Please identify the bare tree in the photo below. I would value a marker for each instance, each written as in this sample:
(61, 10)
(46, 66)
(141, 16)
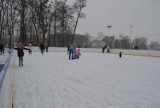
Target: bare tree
(43, 17)
(154, 45)
(117, 43)
(101, 35)
(10, 20)
(125, 42)
(55, 20)
(64, 20)
(140, 43)
(34, 19)
(4, 6)
(40, 17)
(78, 6)
(21, 10)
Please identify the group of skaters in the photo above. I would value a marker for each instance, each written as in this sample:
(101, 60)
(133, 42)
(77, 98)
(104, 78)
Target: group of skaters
(108, 50)
(20, 53)
(42, 48)
(103, 49)
(73, 52)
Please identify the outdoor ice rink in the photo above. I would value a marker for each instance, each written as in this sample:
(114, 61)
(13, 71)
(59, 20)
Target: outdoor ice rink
(95, 80)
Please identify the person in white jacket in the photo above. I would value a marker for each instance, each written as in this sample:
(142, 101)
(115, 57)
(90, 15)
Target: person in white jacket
(30, 48)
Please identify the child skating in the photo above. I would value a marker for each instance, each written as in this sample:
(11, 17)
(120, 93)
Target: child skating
(20, 52)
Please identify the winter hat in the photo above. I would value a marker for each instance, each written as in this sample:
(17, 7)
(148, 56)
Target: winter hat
(20, 45)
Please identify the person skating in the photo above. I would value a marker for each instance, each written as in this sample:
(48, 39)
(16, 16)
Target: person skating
(1, 49)
(42, 47)
(120, 54)
(108, 49)
(20, 52)
(103, 49)
(72, 50)
(46, 48)
(77, 54)
(30, 49)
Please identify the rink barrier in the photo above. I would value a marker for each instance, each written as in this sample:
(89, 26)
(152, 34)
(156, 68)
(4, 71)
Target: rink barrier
(147, 53)
(4, 70)
(6, 84)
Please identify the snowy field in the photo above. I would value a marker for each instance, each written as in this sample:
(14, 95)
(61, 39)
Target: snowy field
(95, 80)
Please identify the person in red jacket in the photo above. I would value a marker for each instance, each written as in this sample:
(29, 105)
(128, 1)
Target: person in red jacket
(20, 52)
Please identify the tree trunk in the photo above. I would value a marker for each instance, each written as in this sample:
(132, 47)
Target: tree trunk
(55, 19)
(76, 25)
(23, 36)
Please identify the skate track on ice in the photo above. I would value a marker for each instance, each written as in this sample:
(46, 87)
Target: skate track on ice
(96, 80)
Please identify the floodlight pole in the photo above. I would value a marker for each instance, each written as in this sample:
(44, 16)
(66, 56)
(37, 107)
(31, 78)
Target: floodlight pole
(109, 26)
(130, 35)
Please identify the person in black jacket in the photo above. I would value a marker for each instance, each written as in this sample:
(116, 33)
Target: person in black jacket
(1, 49)
(20, 52)
(120, 54)
(42, 48)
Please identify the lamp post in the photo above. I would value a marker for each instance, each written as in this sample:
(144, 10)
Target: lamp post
(109, 26)
(130, 35)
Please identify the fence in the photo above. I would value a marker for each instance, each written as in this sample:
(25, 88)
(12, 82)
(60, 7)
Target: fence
(150, 53)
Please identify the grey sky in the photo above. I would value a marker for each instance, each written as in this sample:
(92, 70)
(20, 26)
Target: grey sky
(143, 15)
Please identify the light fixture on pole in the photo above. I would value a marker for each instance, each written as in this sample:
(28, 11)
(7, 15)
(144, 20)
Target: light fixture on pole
(109, 26)
(130, 35)
(131, 30)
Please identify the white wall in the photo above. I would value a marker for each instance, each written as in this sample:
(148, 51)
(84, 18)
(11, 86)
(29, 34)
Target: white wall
(99, 50)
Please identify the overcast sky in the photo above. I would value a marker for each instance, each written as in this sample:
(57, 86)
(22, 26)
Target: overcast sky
(143, 15)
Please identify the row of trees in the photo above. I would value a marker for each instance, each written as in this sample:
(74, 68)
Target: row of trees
(125, 42)
(115, 42)
(38, 19)
(55, 22)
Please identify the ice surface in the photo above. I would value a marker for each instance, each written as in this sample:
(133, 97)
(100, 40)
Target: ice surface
(95, 80)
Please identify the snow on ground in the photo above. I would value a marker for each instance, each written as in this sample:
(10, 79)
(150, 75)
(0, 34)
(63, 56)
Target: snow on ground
(95, 80)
